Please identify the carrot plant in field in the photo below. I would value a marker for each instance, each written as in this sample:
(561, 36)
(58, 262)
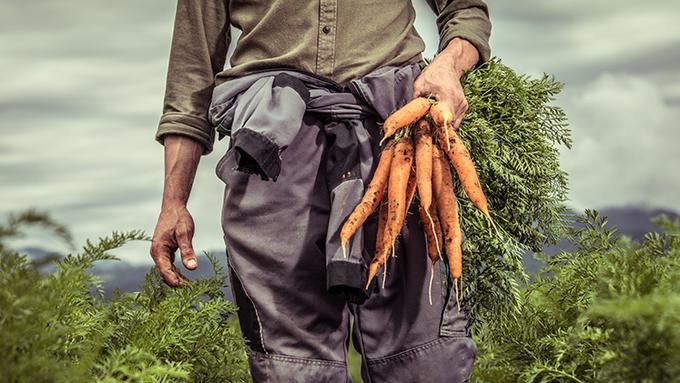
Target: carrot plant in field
(53, 328)
(607, 312)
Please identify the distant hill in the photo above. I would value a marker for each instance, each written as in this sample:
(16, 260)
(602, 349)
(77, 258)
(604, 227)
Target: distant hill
(631, 221)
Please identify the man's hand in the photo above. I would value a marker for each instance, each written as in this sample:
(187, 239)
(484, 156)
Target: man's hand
(175, 227)
(441, 78)
(174, 230)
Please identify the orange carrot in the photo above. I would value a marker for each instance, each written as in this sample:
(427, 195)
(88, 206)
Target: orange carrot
(410, 190)
(442, 117)
(433, 250)
(447, 207)
(382, 224)
(423, 140)
(405, 116)
(400, 171)
(369, 202)
(462, 161)
(437, 227)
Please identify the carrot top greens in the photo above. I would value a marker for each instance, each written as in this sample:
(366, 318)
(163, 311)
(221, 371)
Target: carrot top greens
(513, 133)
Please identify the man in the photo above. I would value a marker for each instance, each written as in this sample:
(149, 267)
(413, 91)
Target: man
(309, 84)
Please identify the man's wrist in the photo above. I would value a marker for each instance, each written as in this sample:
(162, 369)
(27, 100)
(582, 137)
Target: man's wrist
(173, 204)
(460, 55)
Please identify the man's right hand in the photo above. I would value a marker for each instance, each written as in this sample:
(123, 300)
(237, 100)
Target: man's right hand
(174, 230)
(175, 227)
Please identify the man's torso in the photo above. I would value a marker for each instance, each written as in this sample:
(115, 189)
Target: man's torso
(340, 40)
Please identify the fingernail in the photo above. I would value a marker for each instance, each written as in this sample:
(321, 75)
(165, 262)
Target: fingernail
(191, 263)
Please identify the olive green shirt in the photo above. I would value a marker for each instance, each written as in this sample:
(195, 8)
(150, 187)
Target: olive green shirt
(340, 40)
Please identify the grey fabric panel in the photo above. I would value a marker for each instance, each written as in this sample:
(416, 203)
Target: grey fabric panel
(387, 89)
(338, 106)
(343, 202)
(367, 140)
(225, 97)
(273, 368)
(442, 360)
(275, 112)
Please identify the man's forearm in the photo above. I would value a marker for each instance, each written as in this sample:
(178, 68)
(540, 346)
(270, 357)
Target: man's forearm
(182, 155)
(461, 55)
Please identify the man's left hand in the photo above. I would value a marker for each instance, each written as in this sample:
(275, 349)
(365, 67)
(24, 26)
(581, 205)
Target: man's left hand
(441, 78)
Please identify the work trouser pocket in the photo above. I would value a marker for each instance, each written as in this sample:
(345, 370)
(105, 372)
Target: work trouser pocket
(454, 321)
(223, 169)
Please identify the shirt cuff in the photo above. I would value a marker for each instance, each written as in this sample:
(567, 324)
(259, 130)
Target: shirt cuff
(186, 125)
(475, 33)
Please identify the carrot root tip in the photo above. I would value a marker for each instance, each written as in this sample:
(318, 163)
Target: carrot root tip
(434, 233)
(372, 271)
(446, 130)
(455, 285)
(430, 287)
(493, 224)
(384, 275)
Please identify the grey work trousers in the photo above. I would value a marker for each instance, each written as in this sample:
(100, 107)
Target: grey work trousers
(297, 331)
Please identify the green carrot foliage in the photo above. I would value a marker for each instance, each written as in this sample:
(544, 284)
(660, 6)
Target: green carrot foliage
(513, 133)
(55, 326)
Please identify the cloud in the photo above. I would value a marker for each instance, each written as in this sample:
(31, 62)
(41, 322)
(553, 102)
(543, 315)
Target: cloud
(579, 39)
(625, 143)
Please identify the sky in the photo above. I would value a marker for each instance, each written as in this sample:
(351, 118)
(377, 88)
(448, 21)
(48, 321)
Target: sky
(82, 81)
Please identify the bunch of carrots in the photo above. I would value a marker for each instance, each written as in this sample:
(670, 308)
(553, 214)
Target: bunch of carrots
(418, 158)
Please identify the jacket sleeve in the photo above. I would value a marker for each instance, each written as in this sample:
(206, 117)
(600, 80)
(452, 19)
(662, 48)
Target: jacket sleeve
(199, 46)
(466, 19)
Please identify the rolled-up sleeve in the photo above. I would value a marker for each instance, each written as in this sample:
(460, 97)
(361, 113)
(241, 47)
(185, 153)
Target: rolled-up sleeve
(199, 46)
(466, 19)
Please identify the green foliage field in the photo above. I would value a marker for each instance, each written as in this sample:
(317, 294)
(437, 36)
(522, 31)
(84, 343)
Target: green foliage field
(607, 312)
(55, 327)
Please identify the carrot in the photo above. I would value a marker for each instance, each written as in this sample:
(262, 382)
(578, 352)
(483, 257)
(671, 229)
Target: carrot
(437, 227)
(433, 250)
(407, 115)
(400, 171)
(423, 139)
(442, 117)
(382, 223)
(447, 207)
(369, 202)
(462, 161)
(410, 190)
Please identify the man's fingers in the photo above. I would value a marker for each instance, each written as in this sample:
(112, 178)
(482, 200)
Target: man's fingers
(460, 115)
(459, 120)
(161, 256)
(186, 249)
(417, 92)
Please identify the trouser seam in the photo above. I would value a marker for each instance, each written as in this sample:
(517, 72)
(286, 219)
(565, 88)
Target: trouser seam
(299, 360)
(257, 315)
(411, 351)
(364, 358)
